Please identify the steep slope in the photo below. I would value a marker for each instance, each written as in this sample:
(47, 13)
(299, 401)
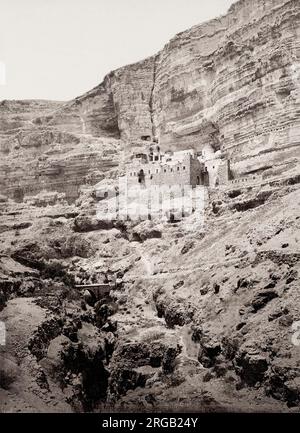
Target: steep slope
(206, 318)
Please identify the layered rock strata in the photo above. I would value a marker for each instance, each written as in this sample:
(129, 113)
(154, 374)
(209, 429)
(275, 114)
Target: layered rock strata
(232, 82)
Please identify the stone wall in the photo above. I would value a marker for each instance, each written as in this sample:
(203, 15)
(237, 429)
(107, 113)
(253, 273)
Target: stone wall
(246, 181)
(187, 172)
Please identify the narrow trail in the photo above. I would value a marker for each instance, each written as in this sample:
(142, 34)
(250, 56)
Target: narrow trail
(148, 263)
(190, 349)
(150, 268)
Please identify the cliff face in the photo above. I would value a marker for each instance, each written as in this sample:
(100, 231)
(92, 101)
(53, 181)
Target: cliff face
(36, 155)
(17, 115)
(51, 160)
(232, 82)
(93, 113)
(118, 107)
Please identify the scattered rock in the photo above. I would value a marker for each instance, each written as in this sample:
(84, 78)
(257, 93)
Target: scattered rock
(187, 247)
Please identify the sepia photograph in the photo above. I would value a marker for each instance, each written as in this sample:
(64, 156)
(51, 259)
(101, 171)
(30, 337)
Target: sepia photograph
(149, 209)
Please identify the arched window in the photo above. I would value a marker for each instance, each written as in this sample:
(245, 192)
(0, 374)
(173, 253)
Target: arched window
(141, 177)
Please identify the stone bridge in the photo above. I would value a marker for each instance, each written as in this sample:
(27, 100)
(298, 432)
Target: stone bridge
(99, 290)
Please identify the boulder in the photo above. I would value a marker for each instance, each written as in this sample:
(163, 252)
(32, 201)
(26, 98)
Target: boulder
(57, 353)
(145, 230)
(251, 365)
(87, 223)
(92, 343)
(9, 371)
(208, 352)
(292, 391)
(262, 298)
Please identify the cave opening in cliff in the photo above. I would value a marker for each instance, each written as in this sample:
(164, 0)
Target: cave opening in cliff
(146, 138)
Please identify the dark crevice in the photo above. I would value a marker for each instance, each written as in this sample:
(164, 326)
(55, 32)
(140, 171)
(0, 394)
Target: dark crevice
(151, 104)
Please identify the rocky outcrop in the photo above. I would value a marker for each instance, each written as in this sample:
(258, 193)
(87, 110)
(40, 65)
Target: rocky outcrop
(134, 363)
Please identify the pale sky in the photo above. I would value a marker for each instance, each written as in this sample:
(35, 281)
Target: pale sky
(59, 49)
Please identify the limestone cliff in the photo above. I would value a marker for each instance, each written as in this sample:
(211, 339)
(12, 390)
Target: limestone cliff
(232, 82)
(37, 155)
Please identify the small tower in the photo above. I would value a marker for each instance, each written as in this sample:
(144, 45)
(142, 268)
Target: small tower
(154, 153)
